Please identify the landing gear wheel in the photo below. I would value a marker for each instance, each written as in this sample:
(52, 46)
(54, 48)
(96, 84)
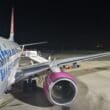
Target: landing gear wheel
(34, 86)
(29, 85)
(25, 86)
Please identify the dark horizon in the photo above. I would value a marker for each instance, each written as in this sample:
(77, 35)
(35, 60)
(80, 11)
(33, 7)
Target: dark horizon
(59, 23)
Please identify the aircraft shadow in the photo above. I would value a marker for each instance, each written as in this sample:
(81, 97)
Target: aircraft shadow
(33, 97)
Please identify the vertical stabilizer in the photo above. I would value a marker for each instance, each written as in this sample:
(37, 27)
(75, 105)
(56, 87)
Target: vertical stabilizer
(11, 38)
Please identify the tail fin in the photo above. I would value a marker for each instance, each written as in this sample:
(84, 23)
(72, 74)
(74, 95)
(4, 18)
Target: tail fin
(11, 38)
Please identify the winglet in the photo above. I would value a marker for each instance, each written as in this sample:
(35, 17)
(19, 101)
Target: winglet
(11, 38)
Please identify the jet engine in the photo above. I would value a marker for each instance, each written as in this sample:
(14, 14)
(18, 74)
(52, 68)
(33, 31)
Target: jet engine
(60, 88)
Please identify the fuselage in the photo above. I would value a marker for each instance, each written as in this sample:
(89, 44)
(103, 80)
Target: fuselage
(9, 61)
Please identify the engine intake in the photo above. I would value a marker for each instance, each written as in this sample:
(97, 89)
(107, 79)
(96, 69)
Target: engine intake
(60, 88)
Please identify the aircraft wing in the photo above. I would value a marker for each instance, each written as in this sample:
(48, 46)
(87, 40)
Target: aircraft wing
(31, 70)
(36, 69)
(61, 62)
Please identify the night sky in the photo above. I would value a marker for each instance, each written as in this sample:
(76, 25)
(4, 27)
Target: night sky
(64, 24)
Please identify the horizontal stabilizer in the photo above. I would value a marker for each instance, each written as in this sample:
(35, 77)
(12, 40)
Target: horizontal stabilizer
(30, 44)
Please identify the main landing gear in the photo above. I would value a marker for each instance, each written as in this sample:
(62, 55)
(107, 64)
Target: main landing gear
(29, 84)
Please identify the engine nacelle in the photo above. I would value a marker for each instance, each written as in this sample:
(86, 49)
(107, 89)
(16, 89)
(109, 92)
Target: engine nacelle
(60, 88)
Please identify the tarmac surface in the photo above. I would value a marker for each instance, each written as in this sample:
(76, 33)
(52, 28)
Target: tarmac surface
(93, 81)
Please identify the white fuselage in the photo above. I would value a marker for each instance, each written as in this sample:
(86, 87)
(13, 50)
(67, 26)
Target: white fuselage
(9, 61)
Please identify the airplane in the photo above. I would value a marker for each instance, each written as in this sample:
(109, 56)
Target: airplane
(59, 87)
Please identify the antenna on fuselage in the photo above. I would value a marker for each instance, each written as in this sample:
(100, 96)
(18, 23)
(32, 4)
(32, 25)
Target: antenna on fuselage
(11, 38)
